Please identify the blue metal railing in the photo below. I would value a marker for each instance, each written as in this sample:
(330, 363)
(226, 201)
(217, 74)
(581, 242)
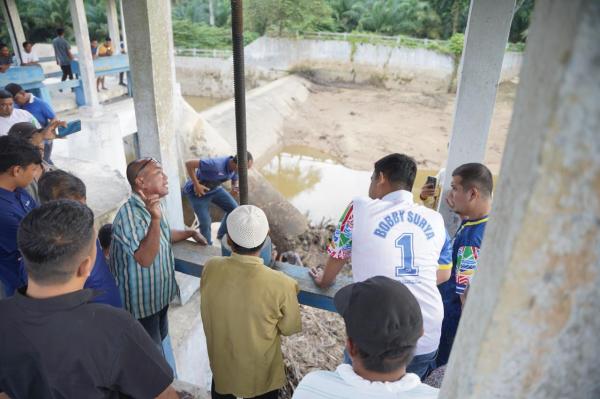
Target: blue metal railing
(190, 259)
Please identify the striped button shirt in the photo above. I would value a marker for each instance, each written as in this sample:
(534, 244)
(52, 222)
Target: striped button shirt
(144, 290)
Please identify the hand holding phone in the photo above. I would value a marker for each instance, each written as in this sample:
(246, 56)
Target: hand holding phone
(72, 127)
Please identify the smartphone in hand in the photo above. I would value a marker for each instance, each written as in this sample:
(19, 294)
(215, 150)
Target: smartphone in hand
(431, 181)
(72, 127)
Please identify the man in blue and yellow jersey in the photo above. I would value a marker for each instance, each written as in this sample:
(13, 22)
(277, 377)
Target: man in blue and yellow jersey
(471, 198)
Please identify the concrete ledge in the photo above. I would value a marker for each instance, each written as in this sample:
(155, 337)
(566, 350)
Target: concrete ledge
(190, 259)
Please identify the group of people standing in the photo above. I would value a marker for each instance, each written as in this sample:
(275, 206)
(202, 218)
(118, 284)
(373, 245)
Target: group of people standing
(61, 339)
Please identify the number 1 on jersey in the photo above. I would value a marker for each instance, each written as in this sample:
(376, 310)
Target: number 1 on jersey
(405, 243)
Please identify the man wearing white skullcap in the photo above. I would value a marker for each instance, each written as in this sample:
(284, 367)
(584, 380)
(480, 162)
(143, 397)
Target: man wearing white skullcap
(245, 308)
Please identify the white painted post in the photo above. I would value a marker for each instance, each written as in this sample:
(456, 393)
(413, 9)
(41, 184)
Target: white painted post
(112, 19)
(479, 73)
(531, 321)
(84, 52)
(14, 27)
(123, 32)
(153, 77)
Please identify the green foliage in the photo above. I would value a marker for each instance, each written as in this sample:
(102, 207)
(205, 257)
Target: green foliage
(288, 15)
(198, 11)
(187, 34)
(409, 17)
(456, 44)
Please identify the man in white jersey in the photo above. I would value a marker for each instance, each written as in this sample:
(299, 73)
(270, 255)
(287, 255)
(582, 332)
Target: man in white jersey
(389, 235)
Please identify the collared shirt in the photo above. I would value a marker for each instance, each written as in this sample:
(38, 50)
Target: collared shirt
(61, 50)
(66, 347)
(40, 110)
(345, 383)
(245, 307)
(212, 172)
(145, 291)
(103, 282)
(465, 258)
(18, 115)
(13, 208)
(396, 238)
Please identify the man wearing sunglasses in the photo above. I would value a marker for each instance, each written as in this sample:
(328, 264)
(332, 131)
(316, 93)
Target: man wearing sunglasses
(141, 256)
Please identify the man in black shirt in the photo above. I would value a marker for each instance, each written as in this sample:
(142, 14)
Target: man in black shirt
(54, 343)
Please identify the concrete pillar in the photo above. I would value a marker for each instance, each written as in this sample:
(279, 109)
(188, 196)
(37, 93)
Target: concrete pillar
(478, 76)
(123, 32)
(531, 321)
(112, 19)
(153, 73)
(84, 52)
(14, 26)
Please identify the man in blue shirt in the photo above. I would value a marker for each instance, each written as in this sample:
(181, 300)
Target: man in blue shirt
(205, 187)
(58, 184)
(41, 110)
(20, 162)
(471, 198)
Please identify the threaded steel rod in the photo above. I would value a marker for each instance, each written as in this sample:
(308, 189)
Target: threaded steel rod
(237, 34)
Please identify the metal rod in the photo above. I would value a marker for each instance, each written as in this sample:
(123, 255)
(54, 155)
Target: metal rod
(237, 33)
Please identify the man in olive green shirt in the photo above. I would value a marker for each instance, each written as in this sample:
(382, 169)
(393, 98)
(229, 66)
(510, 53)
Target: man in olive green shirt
(245, 307)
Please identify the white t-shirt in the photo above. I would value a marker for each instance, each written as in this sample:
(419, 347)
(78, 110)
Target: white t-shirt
(344, 383)
(29, 57)
(405, 241)
(18, 115)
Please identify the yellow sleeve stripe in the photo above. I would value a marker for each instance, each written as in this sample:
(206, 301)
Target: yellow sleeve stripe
(447, 266)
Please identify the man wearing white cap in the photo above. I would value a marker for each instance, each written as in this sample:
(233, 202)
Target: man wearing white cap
(245, 308)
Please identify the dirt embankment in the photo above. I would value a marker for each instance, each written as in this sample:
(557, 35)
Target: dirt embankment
(360, 124)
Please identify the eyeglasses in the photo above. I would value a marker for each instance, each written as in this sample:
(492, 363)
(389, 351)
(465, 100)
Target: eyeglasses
(147, 161)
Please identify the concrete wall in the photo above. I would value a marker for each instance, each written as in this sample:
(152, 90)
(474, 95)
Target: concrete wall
(266, 110)
(325, 60)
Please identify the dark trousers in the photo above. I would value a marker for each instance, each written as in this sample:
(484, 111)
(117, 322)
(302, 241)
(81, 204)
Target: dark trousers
(215, 395)
(66, 70)
(452, 313)
(221, 198)
(157, 326)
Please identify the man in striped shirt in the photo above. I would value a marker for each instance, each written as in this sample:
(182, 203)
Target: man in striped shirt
(141, 257)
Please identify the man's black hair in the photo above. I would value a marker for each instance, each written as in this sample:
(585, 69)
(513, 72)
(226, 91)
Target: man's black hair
(107, 39)
(398, 169)
(5, 94)
(58, 184)
(54, 238)
(105, 235)
(60, 31)
(24, 130)
(15, 151)
(389, 361)
(476, 175)
(13, 88)
(250, 158)
(245, 251)
(25, 43)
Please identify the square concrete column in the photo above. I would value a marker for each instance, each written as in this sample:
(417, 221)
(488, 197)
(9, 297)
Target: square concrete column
(14, 26)
(112, 19)
(152, 66)
(84, 52)
(478, 76)
(530, 327)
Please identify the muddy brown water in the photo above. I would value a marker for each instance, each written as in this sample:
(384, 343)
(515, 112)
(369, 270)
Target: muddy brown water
(319, 185)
